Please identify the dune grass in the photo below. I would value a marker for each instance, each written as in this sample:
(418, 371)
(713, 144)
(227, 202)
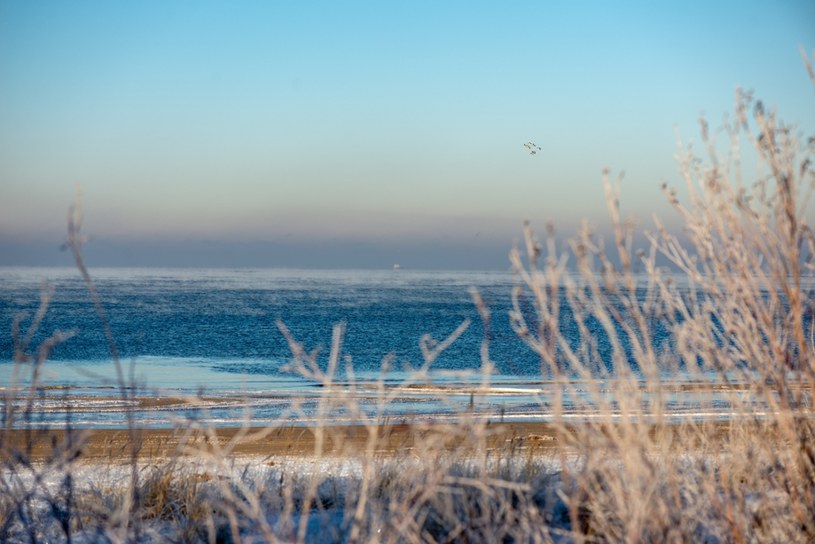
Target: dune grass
(729, 301)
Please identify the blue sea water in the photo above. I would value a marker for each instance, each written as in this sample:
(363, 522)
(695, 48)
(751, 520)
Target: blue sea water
(185, 330)
(214, 333)
(225, 320)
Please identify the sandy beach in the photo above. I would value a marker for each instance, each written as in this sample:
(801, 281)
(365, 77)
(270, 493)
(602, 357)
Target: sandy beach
(266, 443)
(96, 445)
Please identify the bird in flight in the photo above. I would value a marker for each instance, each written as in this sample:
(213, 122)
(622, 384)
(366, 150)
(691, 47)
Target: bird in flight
(532, 147)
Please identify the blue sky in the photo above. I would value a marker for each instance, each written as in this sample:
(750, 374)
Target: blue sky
(359, 134)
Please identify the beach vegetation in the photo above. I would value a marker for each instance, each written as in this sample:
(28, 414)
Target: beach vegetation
(685, 374)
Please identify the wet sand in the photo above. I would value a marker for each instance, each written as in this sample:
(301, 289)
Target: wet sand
(118, 445)
(337, 440)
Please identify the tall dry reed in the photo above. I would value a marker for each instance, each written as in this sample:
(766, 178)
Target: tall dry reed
(683, 408)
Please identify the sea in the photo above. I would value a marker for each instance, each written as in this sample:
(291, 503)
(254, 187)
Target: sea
(218, 336)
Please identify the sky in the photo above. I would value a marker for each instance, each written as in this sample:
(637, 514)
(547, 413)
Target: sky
(362, 134)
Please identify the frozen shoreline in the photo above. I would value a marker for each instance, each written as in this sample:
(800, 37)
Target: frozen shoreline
(302, 403)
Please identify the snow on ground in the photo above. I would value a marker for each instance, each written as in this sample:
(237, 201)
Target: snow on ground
(276, 489)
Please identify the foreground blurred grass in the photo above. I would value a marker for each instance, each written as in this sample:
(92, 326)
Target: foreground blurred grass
(735, 306)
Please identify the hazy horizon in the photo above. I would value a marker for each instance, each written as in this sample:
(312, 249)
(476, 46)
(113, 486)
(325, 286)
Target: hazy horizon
(359, 135)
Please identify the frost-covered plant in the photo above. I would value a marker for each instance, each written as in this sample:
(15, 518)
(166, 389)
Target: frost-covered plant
(728, 321)
(643, 344)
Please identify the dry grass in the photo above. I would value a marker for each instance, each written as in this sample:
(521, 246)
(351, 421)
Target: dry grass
(735, 307)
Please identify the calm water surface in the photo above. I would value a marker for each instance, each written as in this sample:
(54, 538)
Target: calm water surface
(213, 333)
